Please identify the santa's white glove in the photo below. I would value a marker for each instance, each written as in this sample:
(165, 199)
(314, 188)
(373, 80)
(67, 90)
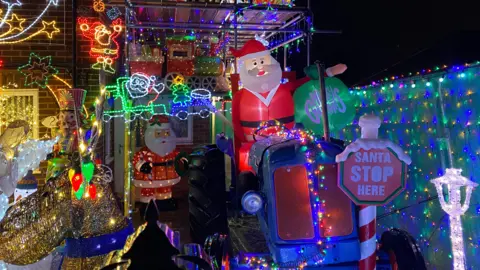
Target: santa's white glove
(336, 70)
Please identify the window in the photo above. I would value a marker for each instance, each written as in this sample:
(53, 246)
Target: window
(20, 104)
(183, 129)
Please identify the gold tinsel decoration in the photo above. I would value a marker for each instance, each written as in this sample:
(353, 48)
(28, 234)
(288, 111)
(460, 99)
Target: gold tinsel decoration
(36, 225)
(116, 255)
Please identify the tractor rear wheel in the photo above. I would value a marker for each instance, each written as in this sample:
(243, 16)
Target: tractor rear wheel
(207, 193)
(403, 250)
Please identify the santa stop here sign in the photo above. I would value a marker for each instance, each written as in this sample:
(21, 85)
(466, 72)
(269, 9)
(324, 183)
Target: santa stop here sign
(372, 177)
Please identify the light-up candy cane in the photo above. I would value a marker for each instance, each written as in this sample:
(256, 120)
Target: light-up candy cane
(455, 181)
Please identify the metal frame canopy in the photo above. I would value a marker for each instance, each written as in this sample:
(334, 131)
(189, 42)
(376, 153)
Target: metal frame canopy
(229, 20)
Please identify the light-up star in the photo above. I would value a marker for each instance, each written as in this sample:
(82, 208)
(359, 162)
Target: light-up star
(178, 79)
(15, 23)
(49, 28)
(38, 70)
(11, 3)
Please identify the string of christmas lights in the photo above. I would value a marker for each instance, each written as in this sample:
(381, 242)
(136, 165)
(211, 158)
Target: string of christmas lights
(311, 144)
(424, 73)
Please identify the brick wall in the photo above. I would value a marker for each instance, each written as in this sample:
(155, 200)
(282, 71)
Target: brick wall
(59, 47)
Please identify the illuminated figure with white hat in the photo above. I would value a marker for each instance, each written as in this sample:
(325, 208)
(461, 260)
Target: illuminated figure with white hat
(158, 166)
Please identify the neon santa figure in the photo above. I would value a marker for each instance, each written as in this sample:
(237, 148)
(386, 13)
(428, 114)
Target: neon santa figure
(264, 97)
(103, 42)
(155, 164)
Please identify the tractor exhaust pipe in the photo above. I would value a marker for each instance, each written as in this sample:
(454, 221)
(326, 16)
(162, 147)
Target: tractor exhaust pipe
(323, 100)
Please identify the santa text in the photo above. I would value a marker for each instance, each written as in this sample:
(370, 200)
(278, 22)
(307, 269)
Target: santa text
(374, 170)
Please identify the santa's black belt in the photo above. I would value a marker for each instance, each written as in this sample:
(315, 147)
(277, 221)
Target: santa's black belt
(256, 124)
(161, 164)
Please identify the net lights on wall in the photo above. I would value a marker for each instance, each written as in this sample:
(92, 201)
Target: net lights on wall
(410, 109)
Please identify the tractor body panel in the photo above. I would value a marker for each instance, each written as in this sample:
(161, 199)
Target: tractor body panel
(288, 218)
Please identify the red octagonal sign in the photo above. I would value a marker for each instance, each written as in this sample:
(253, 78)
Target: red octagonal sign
(372, 177)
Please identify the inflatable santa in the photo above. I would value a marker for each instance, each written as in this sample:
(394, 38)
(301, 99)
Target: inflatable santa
(264, 97)
(158, 165)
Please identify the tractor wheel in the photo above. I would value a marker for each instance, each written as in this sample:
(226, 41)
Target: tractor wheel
(207, 193)
(403, 250)
(218, 248)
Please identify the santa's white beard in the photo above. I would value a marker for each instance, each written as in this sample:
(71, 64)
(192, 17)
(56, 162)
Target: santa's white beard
(160, 146)
(262, 84)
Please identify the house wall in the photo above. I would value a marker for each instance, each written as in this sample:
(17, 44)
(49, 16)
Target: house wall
(59, 47)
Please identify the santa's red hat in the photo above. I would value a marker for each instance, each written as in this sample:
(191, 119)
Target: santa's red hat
(252, 49)
(161, 120)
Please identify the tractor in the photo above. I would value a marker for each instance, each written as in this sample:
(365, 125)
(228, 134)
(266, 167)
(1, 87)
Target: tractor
(271, 218)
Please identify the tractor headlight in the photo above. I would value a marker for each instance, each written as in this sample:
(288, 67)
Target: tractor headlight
(252, 202)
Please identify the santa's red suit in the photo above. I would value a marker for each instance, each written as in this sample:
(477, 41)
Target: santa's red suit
(155, 174)
(157, 184)
(250, 108)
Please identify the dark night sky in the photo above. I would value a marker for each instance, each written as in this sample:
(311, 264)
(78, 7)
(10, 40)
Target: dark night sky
(395, 36)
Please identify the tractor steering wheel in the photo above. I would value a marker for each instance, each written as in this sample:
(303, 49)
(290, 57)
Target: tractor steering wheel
(269, 124)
